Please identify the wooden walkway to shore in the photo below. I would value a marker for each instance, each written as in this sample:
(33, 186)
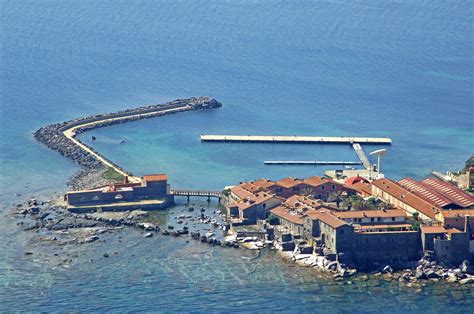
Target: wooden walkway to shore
(295, 139)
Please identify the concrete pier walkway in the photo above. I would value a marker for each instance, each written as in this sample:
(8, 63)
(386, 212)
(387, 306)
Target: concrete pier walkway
(295, 139)
(311, 162)
(363, 158)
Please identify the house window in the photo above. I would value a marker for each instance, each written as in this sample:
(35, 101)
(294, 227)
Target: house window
(341, 232)
(296, 188)
(378, 219)
(322, 187)
(393, 218)
(319, 196)
(333, 187)
(372, 219)
(279, 190)
(264, 205)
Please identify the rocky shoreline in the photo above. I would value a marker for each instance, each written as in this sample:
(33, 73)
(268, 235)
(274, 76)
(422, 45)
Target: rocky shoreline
(49, 221)
(414, 275)
(53, 137)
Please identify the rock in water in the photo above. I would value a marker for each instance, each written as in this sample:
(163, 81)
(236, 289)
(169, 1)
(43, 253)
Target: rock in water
(466, 281)
(148, 235)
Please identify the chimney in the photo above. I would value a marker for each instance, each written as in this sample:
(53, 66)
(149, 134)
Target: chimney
(125, 179)
(467, 226)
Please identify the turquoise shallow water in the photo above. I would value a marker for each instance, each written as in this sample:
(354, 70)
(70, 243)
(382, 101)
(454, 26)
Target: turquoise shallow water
(402, 69)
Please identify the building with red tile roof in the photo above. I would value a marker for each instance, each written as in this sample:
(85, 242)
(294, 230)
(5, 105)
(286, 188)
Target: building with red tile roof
(430, 194)
(363, 189)
(250, 202)
(123, 194)
(263, 183)
(155, 177)
(456, 218)
(447, 245)
(354, 180)
(292, 212)
(398, 196)
(450, 191)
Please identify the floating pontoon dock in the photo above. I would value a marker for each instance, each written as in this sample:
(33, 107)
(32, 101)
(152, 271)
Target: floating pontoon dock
(295, 139)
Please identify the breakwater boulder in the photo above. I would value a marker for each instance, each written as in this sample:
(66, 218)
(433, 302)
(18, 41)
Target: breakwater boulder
(53, 135)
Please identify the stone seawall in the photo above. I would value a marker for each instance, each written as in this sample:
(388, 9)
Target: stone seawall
(53, 136)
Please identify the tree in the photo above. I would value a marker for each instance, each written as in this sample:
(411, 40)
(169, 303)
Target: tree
(416, 215)
(415, 225)
(307, 191)
(273, 220)
(336, 197)
(469, 163)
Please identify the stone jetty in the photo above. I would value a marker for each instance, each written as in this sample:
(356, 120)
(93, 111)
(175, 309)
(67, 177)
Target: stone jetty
(61, 136)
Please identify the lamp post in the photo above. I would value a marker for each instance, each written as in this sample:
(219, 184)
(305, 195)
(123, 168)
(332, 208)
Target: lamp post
(379, 153)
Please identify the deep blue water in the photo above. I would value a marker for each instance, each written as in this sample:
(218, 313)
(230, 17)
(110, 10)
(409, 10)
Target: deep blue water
(402, 69)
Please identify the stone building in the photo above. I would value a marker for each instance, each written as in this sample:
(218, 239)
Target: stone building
(376, 220)
(249, 202)
(317, 187)
(455, 218)
(292, 212)
(322, 188)
(449, 245)
(152, 192)
(353, 244)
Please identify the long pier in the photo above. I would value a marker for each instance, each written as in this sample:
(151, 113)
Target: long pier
(311, 162)
(295, 139)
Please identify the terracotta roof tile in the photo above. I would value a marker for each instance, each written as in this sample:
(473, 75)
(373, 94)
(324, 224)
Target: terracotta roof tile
(362, 187)
(457, 213)
(286, 214)
(288, 182)
(406, 197)
(426, 192)
(331, 220)
(155, 177)
(433, 229)
(371, 214)
(354, 180)
(264, 183)
(450, 191)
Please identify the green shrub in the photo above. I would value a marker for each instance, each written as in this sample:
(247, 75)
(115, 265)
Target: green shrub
(112, 175)
(273, 220)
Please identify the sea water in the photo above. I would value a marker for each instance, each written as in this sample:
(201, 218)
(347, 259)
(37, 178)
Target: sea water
(398, 69)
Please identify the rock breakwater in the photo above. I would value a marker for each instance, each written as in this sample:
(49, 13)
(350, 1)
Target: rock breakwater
(54, 135)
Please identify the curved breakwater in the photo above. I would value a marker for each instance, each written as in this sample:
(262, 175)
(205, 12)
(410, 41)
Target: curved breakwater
(61, 137)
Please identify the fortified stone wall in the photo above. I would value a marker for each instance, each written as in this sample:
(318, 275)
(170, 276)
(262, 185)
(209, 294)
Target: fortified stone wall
(388, 247)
